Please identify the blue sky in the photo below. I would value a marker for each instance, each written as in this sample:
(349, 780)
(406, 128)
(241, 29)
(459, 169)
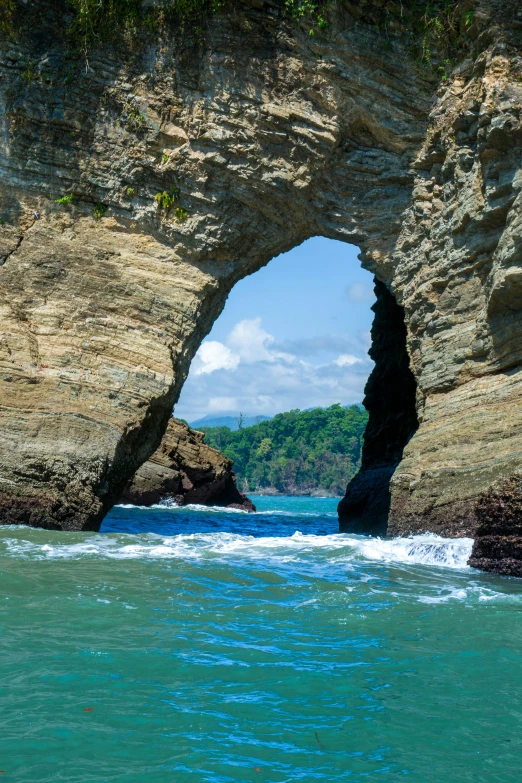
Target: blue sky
(293, 335)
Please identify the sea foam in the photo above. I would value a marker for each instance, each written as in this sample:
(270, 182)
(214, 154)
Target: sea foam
(425, 549)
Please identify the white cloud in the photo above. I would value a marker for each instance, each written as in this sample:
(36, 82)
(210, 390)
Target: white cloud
(213, 356)
(250, 341)
(222, 404)
(250, 373)
(359, 292)
(347, 360)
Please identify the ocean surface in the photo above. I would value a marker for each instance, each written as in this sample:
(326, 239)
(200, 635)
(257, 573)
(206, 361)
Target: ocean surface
(207, 645)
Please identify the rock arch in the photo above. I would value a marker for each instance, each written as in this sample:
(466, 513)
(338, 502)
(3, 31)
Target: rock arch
(263, 136)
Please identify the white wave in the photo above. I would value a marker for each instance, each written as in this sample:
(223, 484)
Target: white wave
(190, 546)
(201, 507)
(426, 549)
(169, 505)
(456, 594)
(338, 548)
(166, 505)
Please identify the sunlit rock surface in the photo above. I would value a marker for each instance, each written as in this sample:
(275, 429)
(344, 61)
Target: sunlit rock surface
(271, 136)
(185, 470)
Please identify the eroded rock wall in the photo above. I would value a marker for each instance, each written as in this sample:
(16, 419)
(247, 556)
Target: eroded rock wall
(185, 470)
(271, 136)
(456, 265)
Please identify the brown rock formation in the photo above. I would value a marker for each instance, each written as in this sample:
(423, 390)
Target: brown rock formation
(186, 470)
(271, 136)
(498, 543)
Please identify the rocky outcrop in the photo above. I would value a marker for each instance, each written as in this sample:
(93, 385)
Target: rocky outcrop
(262, 136)
(185, 470)
(463, 323)
(498, 543)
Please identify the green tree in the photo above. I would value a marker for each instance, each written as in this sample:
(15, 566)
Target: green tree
(298, 452)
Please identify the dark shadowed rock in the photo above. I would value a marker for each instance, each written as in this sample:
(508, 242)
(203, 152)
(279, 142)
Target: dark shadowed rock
(390, 400)
(184, 469)
(498, 543)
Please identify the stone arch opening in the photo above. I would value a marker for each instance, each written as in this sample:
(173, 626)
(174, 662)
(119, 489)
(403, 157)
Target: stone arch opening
(265, 136)
(389, 393)
(294, 334)
(264, 139)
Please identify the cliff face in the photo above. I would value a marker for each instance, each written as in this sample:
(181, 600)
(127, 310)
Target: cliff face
(271, 136)
(185, 470)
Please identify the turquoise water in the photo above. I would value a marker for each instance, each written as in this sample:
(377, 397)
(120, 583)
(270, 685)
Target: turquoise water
(203, 645)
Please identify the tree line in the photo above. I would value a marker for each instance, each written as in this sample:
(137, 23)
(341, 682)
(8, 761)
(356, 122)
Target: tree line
(299, 452)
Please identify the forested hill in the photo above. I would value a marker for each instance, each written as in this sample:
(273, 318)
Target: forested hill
(295, 453)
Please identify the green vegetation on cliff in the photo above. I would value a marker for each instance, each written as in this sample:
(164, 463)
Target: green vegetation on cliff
(436, 29)
(433, 24)
(297, 452)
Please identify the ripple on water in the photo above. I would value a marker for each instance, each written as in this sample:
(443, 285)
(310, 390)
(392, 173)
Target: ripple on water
(226, 647)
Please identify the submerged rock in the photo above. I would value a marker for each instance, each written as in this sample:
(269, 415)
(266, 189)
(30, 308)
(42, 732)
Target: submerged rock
(185, 470)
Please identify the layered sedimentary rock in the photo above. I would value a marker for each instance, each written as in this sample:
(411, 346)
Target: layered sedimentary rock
(185, 470)
(265, 136)
(460, 294)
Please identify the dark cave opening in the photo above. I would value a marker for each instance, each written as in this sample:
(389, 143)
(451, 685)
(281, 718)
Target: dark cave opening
(390, 401)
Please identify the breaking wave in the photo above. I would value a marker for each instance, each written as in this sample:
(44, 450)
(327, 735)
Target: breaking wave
(429, 550)
(169, 505)
(424, 549)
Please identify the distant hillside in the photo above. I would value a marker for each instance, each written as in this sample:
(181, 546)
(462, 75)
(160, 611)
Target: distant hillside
(226, 421)
(296, 453)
